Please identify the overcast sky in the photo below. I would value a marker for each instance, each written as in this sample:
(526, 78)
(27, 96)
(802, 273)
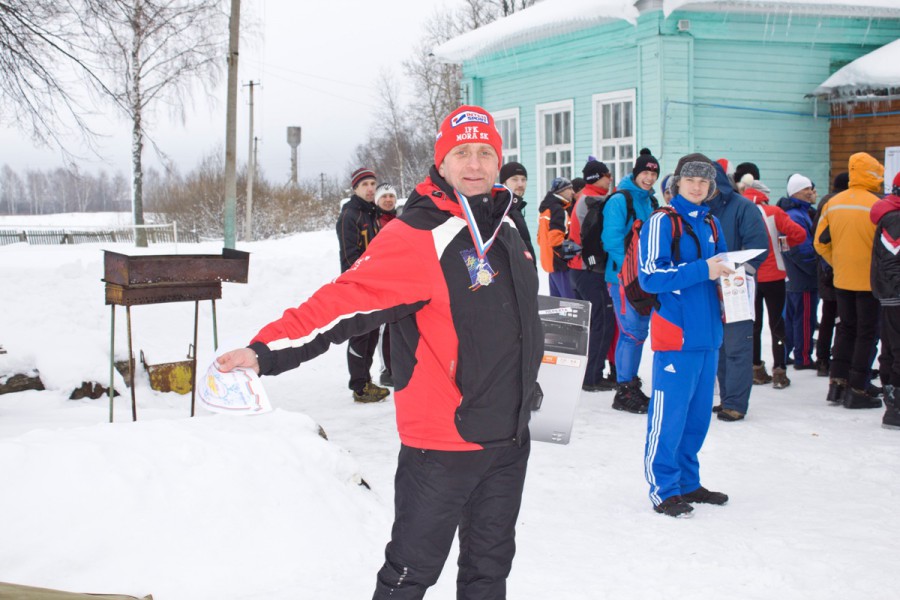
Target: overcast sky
(318, 63)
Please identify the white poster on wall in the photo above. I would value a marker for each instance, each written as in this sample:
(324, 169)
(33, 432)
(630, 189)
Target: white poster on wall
(891, 166)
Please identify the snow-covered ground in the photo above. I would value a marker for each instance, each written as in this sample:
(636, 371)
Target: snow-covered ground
(261, 507)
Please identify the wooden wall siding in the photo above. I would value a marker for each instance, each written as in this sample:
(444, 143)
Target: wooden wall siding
(863, 134)
(757, 61)
(677, 134)
(780, 144)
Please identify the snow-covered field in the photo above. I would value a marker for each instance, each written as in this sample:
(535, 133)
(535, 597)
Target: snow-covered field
(261, 507)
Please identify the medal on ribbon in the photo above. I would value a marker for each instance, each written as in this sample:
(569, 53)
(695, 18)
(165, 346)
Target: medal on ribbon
(480, 271)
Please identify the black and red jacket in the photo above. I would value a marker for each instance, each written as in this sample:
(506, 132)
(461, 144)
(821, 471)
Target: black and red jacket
(356, 226)
(465, 356)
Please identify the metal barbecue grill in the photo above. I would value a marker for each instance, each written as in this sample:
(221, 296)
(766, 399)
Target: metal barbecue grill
(155, 279)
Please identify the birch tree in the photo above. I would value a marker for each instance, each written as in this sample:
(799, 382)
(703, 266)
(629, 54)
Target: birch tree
(151, 55)
(40, 61)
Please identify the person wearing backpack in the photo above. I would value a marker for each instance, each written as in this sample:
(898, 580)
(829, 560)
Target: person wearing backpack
(743, 228)
(633, 200)
(685, 335)
(553, 232)
(586, 273)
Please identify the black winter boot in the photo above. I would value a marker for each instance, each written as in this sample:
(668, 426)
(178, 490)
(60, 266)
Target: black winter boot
(704, 496)
(674, 506)
(891, 418)
(854, 398)
(630, 399)
(836, 391)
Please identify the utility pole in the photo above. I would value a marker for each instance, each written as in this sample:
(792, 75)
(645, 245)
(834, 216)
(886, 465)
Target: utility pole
(234, 29)
(322, 186)
(251, 171)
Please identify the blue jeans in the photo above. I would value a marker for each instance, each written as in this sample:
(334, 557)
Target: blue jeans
(633, 330)
(560, 286)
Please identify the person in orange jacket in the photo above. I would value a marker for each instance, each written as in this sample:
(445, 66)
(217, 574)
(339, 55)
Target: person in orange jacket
(553, 232)
(844, 238)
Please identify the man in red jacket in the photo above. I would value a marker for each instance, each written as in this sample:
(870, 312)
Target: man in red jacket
(455, 276)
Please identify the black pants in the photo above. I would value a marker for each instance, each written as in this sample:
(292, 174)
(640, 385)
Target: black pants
(360, 352)
(434, 493)
(826, 331)
(889, 361)
(854, 340)
(590, 286)
(772, 292)
(384, 348)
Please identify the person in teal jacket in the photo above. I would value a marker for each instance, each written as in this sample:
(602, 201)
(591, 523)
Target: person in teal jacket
(617, 221)
(686, 333)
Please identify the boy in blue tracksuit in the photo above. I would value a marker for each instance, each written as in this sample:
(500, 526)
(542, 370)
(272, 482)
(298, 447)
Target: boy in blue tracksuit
(617, 221)
(685, 335)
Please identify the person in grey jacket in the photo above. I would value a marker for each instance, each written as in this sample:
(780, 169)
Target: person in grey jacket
(744, 229)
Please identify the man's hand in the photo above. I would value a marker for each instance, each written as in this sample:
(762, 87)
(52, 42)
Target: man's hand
(717, 268)
(242, 357)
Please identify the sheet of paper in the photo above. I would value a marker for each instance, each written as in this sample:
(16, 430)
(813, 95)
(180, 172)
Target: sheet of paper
(236, 392)
(739, 256)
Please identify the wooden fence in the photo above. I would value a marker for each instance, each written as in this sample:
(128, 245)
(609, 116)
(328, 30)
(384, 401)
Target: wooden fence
(48, 236)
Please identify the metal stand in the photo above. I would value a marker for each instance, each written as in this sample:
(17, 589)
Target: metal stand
(132, 362)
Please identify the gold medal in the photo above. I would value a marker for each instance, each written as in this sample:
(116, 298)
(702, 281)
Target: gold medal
(484, 277)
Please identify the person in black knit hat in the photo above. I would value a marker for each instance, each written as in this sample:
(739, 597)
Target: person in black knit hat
(514, 176)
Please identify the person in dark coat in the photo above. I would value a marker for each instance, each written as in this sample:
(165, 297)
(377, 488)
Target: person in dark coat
(885, 277)
(514, 176)
(744, 229)
(802, 286)
(356, 228)
(825, 277)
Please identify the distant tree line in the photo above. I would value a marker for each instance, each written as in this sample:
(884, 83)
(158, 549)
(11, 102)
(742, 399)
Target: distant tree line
(193, 199)
(38, 192)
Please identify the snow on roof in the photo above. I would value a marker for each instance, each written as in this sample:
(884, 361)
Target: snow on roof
(875, 71)
(542, 20)
(857, 8)
(548, 18)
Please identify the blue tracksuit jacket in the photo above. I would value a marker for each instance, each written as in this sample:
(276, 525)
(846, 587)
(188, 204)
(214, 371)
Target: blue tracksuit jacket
(689, 316)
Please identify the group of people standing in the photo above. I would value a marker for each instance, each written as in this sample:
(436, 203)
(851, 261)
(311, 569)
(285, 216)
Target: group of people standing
(455, 277)
(834, 252)
(791, 276)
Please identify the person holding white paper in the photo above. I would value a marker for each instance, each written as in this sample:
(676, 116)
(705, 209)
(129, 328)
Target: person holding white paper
(685, 335)
(743, 228)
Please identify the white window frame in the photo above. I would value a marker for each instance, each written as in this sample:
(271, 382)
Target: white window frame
(620, 167)
(564, 169)
(515, 153)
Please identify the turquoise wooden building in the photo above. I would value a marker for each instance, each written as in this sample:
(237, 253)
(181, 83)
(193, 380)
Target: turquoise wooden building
(571, 78)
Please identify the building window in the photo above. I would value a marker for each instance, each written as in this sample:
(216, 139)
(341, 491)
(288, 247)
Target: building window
(614, 128)
(507, 122)
(555, 148)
